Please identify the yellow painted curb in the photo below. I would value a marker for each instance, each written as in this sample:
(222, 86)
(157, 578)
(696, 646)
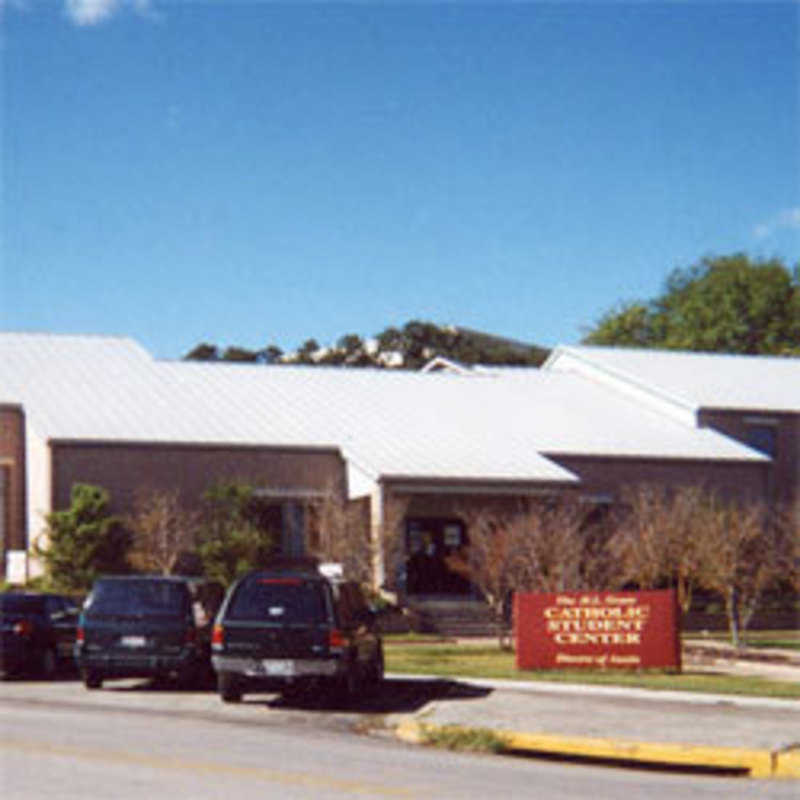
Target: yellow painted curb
(758, 763)
(787, 763)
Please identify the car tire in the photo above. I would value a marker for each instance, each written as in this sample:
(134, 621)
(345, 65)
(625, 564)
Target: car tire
(48, 663)
(230, 690)
(189, 677)
(351, 682)
(92, 679)
(376, 670)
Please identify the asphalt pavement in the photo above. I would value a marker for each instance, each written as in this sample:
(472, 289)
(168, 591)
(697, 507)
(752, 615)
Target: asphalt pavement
(753, 735)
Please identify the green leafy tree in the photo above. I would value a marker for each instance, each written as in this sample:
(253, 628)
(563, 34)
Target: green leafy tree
(416, 343)
(232, 537)
(240, 354)
(83, 541)
(271, 354)
(728, 304)
(203, 352)
(305, 355)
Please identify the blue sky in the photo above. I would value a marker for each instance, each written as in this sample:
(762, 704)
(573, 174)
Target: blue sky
(250, 173)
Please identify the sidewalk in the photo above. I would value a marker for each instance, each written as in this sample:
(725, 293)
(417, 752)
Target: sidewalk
(758, 736)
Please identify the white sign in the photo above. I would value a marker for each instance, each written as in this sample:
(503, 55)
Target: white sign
(16, 566)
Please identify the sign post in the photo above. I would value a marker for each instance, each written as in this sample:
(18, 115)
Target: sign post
(597, 630)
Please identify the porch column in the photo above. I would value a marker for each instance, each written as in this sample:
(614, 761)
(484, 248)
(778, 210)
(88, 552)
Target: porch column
(376, 536)
(293, 531)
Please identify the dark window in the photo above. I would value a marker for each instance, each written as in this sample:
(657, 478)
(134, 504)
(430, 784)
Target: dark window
(132, 596)
(279, 600)
(763, 438)
(21, 604)
(431, 543)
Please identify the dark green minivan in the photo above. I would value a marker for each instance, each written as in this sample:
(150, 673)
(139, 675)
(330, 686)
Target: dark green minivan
(146, 626)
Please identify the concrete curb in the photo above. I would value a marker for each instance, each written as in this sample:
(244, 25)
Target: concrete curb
(556, 687)
(758, 763)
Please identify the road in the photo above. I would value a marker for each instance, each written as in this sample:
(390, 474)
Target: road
(133, 741)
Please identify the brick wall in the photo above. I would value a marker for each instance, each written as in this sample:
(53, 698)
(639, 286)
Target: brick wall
(607, 476)
(785, 472)
(124, 469)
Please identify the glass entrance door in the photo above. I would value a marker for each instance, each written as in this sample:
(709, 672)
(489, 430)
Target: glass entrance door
(429, 544)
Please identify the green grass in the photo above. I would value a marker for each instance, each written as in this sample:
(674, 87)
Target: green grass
(481, 661)
(473, 740)
(781, 640)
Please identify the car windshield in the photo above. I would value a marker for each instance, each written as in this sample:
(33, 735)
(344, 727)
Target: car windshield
(16, 604)
(279, 600)
(131, 596)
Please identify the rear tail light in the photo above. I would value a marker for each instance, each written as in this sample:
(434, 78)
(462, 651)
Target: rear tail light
(336, 640)
(23, 628)
(218, 637)
(80, 635)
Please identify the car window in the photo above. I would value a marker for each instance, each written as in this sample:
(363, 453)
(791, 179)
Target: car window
(279, 600)
(15, 604)
(55, 608)
(150, 597)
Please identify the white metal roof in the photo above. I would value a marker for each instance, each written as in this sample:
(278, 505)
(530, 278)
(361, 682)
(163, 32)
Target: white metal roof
(493, 426)
(695, 380)
(386, 423)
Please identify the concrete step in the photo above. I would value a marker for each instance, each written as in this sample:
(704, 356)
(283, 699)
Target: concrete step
(454, 618)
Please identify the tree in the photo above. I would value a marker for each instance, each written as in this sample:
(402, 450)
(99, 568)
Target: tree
(739, 559)
(231, 537)
(271, 354)
(657, 537)
(787, 522)
(240, 355)
(492, 562)
(305, 355)
(728, 304)
(409, 347)
(163, 531)
(541, 546)
(203, 352)
(83, 541)
(340, 531)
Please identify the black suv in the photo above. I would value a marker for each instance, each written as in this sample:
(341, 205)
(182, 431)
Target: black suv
(294, 629)
(146, 626)
(37, 632)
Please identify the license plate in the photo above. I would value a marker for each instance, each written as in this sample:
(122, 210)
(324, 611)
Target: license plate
(278, 668)
(133, 641)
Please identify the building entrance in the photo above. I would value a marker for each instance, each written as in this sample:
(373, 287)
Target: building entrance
(429, 543)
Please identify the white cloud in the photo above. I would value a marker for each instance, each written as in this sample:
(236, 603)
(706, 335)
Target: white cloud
(788, 219)
(93, 12)
(90, 12)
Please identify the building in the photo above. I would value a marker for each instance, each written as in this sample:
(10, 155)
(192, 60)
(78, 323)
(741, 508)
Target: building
(101, 410)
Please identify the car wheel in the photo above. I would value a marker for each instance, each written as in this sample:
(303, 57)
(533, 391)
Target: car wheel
(92, 679)
(230, 689)
(48, 663)
(351, 681)
(376, 670)
(189, 677)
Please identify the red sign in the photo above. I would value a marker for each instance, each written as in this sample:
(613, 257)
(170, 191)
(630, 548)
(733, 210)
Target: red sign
(597, 630)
